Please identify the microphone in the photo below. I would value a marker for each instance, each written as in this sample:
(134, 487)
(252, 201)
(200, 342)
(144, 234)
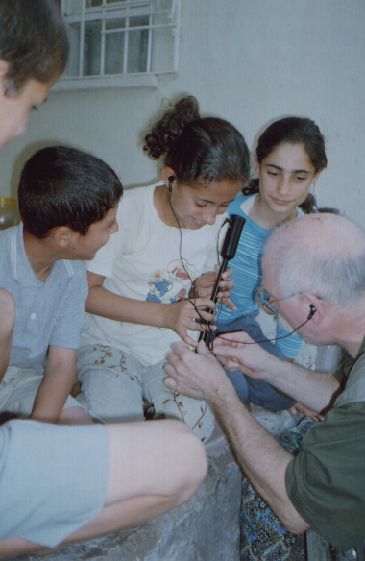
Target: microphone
(229, 247)
(233, 234)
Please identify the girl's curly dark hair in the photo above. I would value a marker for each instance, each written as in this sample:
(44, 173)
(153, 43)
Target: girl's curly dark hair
(198, 149)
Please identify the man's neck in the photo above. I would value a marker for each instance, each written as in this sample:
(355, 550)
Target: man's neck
(352, 332)
(354, 347)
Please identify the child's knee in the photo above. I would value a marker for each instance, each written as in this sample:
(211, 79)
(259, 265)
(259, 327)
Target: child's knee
(75, 415)
(189, 455)
(196, 457)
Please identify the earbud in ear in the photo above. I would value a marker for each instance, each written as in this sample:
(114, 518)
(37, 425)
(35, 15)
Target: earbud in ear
(312, 311)
(171, 179)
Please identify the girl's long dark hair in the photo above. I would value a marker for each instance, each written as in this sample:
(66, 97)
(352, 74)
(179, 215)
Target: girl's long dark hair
(292, 130)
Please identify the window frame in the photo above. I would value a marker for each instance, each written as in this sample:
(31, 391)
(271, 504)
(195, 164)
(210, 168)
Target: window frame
(119, 10)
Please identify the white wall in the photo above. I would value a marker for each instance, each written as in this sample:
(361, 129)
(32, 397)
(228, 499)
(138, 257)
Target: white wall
(249, 61)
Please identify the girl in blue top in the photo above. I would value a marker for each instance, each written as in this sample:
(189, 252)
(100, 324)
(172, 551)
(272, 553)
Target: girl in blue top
(290, 155)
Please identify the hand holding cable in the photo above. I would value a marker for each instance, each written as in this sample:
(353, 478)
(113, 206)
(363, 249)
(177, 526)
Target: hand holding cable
(188, 315)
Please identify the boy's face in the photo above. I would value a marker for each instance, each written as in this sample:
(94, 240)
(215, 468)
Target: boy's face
(15, 109)
(85, 246)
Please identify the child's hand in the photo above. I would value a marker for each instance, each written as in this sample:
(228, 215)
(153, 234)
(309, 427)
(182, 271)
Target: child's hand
(203, 286)
(186, 315)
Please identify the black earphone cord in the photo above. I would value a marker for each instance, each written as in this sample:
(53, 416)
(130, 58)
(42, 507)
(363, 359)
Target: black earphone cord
(221, 335)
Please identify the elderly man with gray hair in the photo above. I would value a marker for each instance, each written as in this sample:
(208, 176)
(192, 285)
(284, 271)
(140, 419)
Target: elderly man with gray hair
(314, 277)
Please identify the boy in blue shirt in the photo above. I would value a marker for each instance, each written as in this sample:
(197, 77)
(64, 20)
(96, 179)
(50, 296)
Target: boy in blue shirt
(67, 203)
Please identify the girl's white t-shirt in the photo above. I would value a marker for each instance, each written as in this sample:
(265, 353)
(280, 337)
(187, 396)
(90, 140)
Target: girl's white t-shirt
(149, 261)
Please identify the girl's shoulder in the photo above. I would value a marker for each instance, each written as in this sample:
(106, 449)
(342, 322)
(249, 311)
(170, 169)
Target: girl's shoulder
(136, 202)
(242, 205)
(138, 195)
(135, 218)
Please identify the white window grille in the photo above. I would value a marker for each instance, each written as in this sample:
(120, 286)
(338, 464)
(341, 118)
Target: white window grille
(111, 40)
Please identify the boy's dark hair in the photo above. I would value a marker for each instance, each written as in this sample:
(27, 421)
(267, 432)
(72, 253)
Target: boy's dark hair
(199, 150)
(33, 41)
(61, 186)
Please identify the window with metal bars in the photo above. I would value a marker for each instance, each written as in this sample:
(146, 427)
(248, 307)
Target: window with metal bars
(121, 37)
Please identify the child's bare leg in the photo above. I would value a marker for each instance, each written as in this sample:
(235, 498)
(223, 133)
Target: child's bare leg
(155, 464)
(7, 314)
(153, 467)
(148, 473)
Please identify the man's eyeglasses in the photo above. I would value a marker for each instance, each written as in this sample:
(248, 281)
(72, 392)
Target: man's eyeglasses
(268, 302)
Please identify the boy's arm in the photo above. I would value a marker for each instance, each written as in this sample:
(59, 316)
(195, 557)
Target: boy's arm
(178, 316)
(7, 315)
(56, 384)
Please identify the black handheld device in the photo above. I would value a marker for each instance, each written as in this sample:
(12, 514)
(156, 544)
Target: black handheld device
(229, 246)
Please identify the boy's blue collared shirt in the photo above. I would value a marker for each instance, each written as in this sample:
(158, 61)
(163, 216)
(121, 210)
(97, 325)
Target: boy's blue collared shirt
(48, 313)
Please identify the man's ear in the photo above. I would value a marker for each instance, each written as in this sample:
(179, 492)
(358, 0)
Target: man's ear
(314, 306)
(166, 173)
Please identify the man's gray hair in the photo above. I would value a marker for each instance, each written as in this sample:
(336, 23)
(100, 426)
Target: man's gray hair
(322, 254)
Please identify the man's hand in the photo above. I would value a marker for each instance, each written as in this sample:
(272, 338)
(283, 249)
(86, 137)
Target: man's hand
(198, 375)
(313, 390)
(238, 351)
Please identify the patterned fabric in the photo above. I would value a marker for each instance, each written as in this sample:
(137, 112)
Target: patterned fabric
(263, 537)
(114, 385)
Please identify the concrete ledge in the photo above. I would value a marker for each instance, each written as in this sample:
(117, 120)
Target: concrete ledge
(206, 528)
